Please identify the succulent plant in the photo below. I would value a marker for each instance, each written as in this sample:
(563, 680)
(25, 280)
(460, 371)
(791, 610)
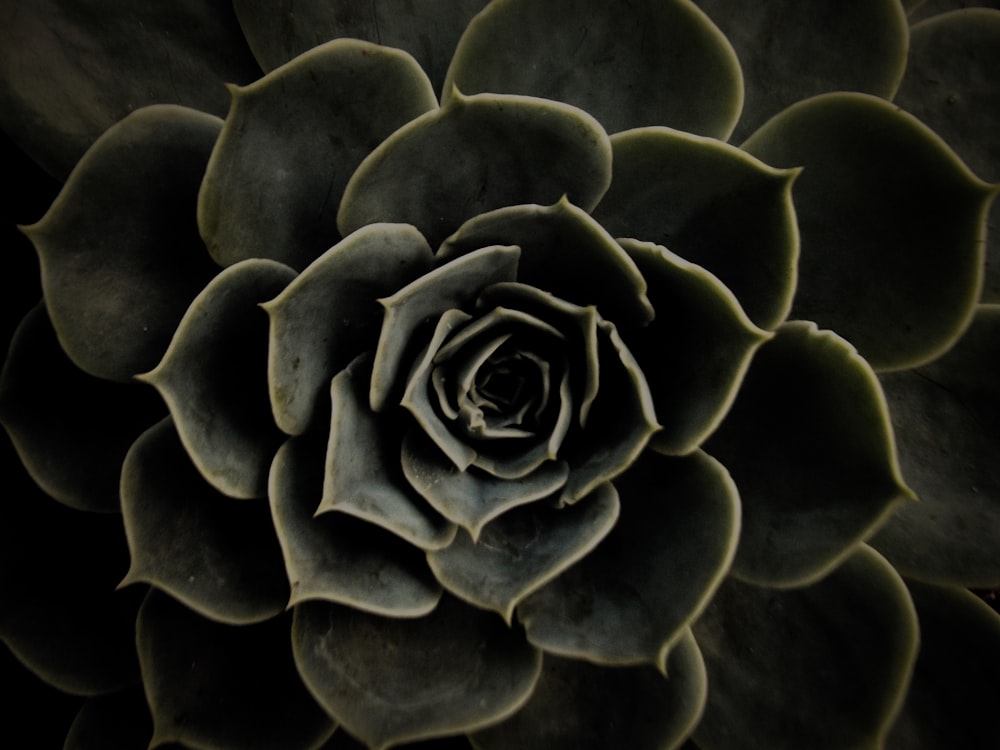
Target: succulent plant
(505, 373)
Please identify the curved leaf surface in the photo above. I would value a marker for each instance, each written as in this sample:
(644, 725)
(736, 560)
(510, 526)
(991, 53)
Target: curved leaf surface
(809, 444)
(388, 680)
(891, 222)
(213, 378)
(293, 139)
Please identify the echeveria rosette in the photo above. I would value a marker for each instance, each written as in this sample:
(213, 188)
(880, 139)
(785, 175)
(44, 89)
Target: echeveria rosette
(496, 387)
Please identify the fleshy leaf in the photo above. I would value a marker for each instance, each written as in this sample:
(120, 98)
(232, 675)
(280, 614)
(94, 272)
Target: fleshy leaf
(891, 222)
(950, 84)
(428, 31)
(476, 154)
(70, 69)
(216, 554)
(61, 616)
(452, 285)
(659, 63)
(713, 205)
(809, 444)
(218, 686)
(292, 140)
(590, 707)
(213, 378)
(329, 315)
(956, 681)
(790, 50)
(563, 252)
(363, 474)
(695, 352)
(338, 558)
(824, 667)
(632, 598)
(71, 430)
(124, 224)
(523, 549)
(117, 721)
(947, 421)
(389, 680)
(472, 498)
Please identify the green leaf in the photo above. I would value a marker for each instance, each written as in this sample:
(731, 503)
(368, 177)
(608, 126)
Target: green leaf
(117, 721)
(791, 50)
(563, 252)
(71, 430)
(329, 314)
(659, 63)
(809, 444)
(220, 687)
(388, 680)
(523, 549)
(695, 352)
(70, 69)
(630, 600)
(277, 32)
(216, 554)
(452, 285)
(950, 84)
(61, 616)
(363, 476)
(591, 707)
(956, 681)
(476, 154)
(292, 140)
(891, 221)
(125, 224)
(824, 667)
(335, 557)
(713, 205)
(213, 378)
(472, 497)
(947, 421)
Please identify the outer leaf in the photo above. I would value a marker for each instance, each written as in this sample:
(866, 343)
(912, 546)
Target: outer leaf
(630, 600)
(956, 682)
(428, 31)
(61, 616)
(217, 555)
(809, 444)
(71, 430)
(824, 667)
(329, 315)
(879, 199)
(950, 84)
(591, 707)
(695, 352)
(335, 557)
(387, 681)
(523, 549)
(947, 421)
(292, 140)
(216, 687)
(472, 498)
(713, 205)
(118, 721)
(476, 154)
(790, 50)
(213, 378)
(363, 476)
(69, 69)
(658, 63)
(124, 224)
(563, 252)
